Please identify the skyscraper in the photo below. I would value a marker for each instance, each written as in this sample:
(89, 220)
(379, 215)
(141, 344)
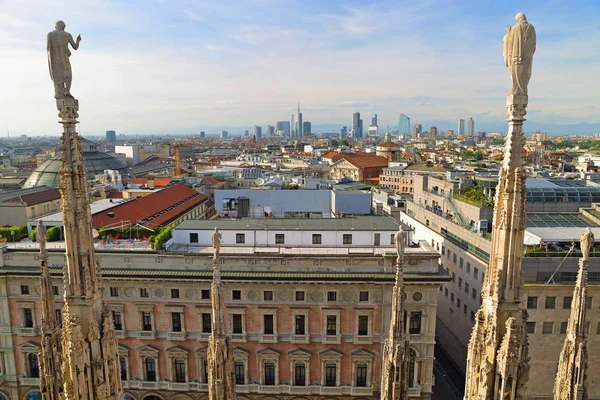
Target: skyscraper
(416, 131)
(257, 132)
(344, 132)
(293, 126)
(461, 127)
(433, 131)
(357, 125)
(306, 128)
(111, 136)
(470, 127)
(202, 134)
(404, 125)
(374, 120)
(224, 134)
(373, 128)
(283, 127)
(270, 130)
(299, 127)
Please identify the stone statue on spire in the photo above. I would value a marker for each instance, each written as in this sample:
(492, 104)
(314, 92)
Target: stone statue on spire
(58, 59)
(519, 46)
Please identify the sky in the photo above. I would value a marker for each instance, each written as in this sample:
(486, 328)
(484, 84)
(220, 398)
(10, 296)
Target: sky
(150, 66)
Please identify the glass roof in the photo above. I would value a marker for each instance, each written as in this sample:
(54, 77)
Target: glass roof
(552, 220)
(589, 194)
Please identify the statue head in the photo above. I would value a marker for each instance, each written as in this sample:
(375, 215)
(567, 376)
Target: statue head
(520, 17)
(60, 25)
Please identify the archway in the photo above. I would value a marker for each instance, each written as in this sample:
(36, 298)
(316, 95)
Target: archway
(35, 395)
(152, 397)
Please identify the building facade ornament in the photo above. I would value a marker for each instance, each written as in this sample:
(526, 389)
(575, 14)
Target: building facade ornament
(221, 382)
(498, 352)
(396, 352)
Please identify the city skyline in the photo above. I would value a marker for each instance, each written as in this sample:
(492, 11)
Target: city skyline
(177, 66)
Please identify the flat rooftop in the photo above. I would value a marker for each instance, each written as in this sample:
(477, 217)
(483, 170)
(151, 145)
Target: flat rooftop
(366, 222)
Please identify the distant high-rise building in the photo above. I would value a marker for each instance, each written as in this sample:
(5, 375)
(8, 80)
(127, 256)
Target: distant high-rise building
(373, 128)
(257, 132)
(404, 125)
(270, 130)
(449, 132)
(293, 126)
(417, 130)
(202, 135)
(374, 120)
(344, 132)
(283, 127)
(224, 134)
(306, 128)
(246, 133)
(461, 127)
(299, 127)
(433, 131)
(470, 127)
(111, 136)
(357, 131)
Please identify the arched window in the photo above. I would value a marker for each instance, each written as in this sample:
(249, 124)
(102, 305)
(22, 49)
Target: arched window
(150, 369)
(269, 373)
(34, 366)
(300, 374)
(361, 374)
(330, 374)
(152, 397)
(179, 370)
(205, 371)
(239, 373)
(2, 397)
(123, 365)
(412, 368)
(34, 396)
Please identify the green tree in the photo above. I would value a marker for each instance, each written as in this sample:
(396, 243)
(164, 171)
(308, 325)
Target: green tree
(53, 234)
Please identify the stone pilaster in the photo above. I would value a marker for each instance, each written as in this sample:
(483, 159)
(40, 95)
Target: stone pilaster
(498, 359)
(221, 381)
(571, 376)
(396, 352)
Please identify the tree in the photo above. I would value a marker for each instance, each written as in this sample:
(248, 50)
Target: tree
(53, 234)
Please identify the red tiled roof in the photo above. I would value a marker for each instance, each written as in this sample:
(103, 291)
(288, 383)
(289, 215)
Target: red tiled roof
(156, 209)
(369, 161)
(209, 180)
(115, 194)
(36, 198)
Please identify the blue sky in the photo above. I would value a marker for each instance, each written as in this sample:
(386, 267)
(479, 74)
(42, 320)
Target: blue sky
(156, 65)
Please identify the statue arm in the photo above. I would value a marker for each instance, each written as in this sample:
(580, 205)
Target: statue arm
(74, 44)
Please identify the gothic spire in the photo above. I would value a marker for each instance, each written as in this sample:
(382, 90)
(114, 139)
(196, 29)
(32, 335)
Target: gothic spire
(396, 352)
(498, 353)
(571, 376)
(51, 384)
(221, 383)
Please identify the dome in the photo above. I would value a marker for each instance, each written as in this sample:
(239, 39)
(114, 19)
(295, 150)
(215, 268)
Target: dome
(95, 163)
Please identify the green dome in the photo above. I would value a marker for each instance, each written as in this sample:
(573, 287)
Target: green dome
(95, 163)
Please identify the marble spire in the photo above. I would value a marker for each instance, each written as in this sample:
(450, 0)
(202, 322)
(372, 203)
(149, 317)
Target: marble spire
(498, 352)
(90, 362)
(221, 382)
(571, 376)
(51, 385)
(394, 374)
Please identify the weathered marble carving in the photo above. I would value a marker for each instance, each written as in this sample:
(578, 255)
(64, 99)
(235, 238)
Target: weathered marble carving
(59, 59)
(519, 46)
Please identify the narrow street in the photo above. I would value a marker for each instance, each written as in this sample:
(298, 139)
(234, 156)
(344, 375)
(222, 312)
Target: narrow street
(449, 381)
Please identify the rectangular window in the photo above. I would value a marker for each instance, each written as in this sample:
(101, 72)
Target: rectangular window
(331, 296)
(532, 302)
(597, 329)
(531, 327)
(460, 264)
(59, 318)
(363, 296)
(458, 302)
(25, 289)
(117, 321)
(392, 239)
(475, 273)
(472, 315)
(238, 326)
(473, 293)
(123, 364)
(268, 295)
(114, 292)
(453, 277)
(299, 374)
(466, 288)
(454, 258)
(452, 297)
(299, 295)
(567, 302)
(347, 238)
(363, 325)
(144, 292)
(460, 283)
(550, 302)
(236, 294)
(317, 238)
(548, 328)
(468, 267)
(279, 238)
(465, 309)
(361, 375)
(415, 323)
(174, 293)
(331, 325)
(240, 238)
(146, 321)
(446, 292)
(563, 327)
(239, 373)
(377, 239)
(176, 321)
(193, 238)
(590, 303)
(206, 323)
(269, 373)
(300, 325)
(205, 294)
(268, 324)
(179, 370)
(27, 318)
(330, 375)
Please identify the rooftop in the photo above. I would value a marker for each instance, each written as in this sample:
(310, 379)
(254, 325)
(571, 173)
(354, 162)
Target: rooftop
(366, 222)
(31, 196)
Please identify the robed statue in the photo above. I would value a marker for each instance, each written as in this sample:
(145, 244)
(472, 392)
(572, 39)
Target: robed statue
(519, 46)
(215, 240)
(58, 59)
(400, 242)
(586, 243)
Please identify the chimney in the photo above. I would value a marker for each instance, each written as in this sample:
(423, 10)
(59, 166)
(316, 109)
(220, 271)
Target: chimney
(151, 183)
